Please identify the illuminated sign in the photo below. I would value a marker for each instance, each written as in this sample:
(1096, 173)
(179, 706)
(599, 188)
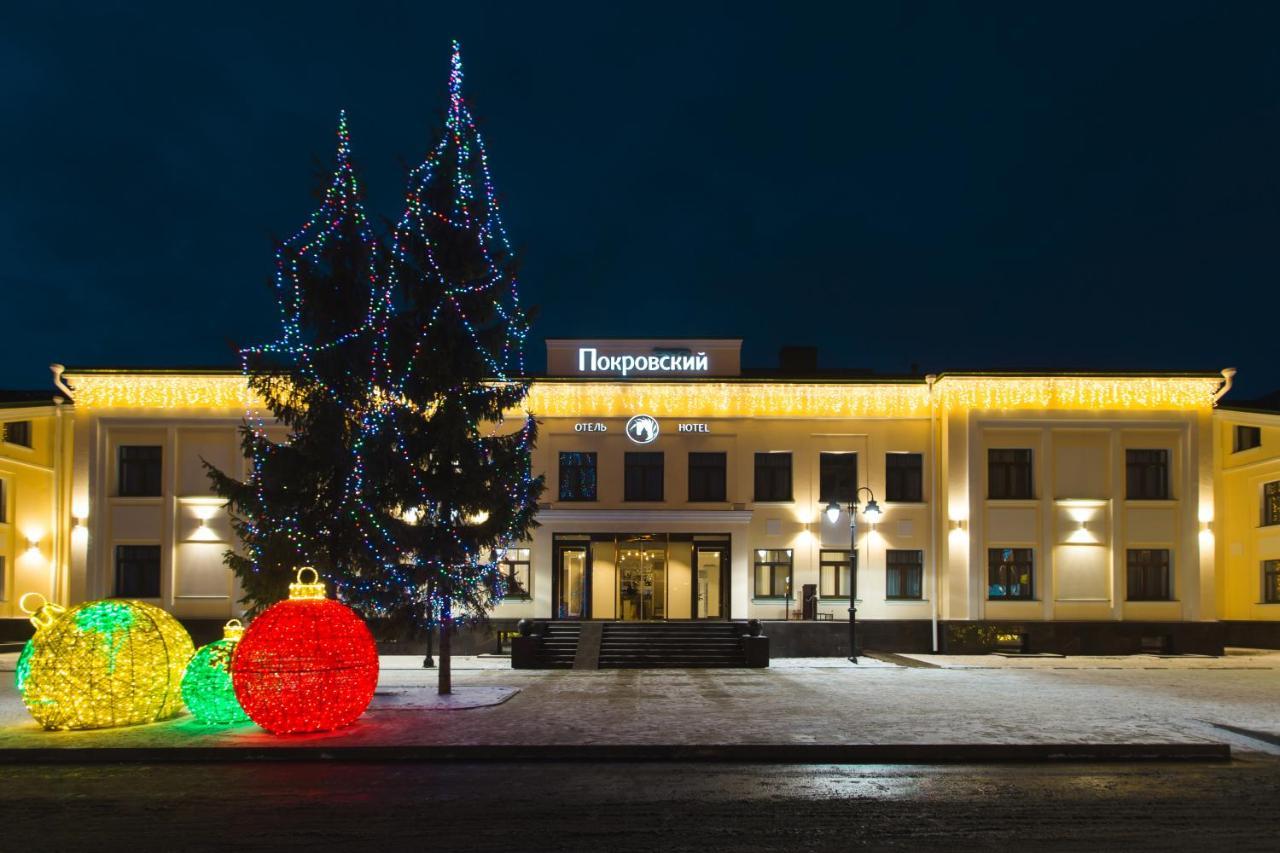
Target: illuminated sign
(675, 361)
(642, 429)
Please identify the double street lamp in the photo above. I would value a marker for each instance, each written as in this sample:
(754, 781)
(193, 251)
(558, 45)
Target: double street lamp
(873, 514)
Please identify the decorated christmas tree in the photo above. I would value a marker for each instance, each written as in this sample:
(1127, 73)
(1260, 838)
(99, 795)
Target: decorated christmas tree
(395, 456)
(293, 508)
(449, 355)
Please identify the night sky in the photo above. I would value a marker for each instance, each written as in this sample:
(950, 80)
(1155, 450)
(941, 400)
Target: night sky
(954, 185)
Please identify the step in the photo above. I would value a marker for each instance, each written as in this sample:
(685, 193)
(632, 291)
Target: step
(667, 642)
(672, 665)
(671, 630)
(728, 658)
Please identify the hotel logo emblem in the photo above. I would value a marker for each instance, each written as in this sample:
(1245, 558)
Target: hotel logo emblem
(642, 429)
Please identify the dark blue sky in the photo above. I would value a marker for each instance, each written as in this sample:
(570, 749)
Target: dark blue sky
(957, 185)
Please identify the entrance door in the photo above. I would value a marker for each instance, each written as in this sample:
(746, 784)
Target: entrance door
(572, 582)
(710, 563)
(642, 579)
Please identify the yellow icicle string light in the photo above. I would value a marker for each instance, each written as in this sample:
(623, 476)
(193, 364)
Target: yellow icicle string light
(852, 399)
(105, 663)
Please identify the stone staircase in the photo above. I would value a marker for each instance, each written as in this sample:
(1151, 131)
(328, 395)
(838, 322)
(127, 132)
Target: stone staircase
(559, 645)
(668, 645)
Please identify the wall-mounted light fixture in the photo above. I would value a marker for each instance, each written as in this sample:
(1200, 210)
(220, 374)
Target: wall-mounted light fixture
(79, 526)
(204, 511)
(959, 524)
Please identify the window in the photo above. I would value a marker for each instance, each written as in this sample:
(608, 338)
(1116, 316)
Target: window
(140, 468)
(837, 477)
(904, 574)
(1247, 438)
(515, 571)
(137, 571)
(1009, 474)
(833, 574)
(904, 477)
(773, 573)
(577, 476)
(18, 432)
(1146, 475)
(1271, 503)
(706, 477)
(1149, 574)
(1271, 581)
(643, 477)
(773, 476)
(1009, 574)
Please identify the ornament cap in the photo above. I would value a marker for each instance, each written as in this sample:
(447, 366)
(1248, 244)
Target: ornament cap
(302, 589)
(233, 630)
(42, 615)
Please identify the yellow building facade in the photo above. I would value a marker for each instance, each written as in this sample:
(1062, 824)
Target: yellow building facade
(1071, 512)
(1247, 483)
(35, 533)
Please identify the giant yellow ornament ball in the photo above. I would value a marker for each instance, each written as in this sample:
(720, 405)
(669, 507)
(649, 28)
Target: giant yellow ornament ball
(114, 662)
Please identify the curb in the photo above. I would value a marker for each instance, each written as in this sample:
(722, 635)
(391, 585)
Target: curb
(720, 753)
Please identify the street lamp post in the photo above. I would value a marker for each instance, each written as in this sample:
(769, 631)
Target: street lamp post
(873, 513)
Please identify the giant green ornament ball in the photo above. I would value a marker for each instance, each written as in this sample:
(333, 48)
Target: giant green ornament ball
(206, 685)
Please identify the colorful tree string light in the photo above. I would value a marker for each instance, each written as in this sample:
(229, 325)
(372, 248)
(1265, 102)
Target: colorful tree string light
(451, 272)
(395, 373)
(206, 686)
(105, 663)
(306, 664)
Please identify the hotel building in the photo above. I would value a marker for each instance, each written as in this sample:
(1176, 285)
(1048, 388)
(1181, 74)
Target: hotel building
(1071, 512)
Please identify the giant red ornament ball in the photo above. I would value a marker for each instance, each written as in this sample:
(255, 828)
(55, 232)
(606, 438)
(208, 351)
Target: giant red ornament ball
(306, 664)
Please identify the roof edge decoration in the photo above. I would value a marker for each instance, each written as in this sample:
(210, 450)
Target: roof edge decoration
(714, 397)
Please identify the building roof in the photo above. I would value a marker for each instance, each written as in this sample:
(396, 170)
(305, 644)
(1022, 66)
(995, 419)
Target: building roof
(19, 399)
(1266, 404)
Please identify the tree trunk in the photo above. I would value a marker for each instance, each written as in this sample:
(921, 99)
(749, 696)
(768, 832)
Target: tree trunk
(446, 674)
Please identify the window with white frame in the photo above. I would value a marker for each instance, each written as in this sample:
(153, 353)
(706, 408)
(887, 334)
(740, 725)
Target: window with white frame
(904, 574)
(1148, 574)
(1010, 574)
(515, 573)
(773, 573)
(833, 573)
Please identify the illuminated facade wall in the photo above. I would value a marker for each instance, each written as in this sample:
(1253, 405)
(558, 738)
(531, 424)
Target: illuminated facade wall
(1248, 536)
(170, 514)
(1078, 523)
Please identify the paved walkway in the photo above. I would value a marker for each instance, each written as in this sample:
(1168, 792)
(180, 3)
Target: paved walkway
(1008, 701)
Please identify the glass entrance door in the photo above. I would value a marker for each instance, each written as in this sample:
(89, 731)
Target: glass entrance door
(642, 579)
(572, 582)
(710, 577)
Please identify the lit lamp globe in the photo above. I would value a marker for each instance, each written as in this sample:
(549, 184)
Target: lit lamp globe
(115, 662)
(306, 664)
(206, 686)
